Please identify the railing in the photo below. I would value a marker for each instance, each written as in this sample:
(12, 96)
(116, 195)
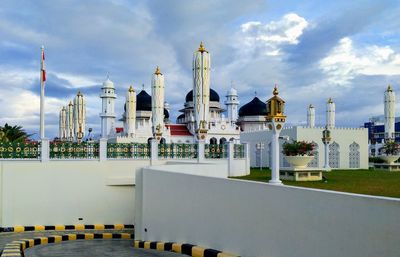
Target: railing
(216, 151)
(10, 150)
(128, 151)
(72, 150)
(177, 151)
(238, 151)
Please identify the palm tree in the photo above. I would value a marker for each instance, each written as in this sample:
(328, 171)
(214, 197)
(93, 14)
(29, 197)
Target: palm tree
(13, 134)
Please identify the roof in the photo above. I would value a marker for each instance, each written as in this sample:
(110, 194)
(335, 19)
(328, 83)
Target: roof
(143, 101)
(214, 97)
(178, 130)
(253, 108)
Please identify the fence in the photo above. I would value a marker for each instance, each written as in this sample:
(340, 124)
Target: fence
(238, 151)
(72, 150)
(11, 150)
(177, 151)
(128, 151)
(216, 151)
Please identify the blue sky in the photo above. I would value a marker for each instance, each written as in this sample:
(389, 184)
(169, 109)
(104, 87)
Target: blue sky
(313, 50)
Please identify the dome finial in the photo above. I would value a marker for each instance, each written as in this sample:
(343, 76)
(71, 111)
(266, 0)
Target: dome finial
(275, 92)
(143, 86)
(201, 47)
(389, 88)
(79, 93)
(131, 90)
(311, 106)
(158, 72)
(330, 101)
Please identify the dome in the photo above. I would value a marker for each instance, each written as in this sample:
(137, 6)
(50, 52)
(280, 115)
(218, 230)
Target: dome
(253, 108)
(232, 92)
(108, 84)
(166, 114)
(214, 97)
(143, 101)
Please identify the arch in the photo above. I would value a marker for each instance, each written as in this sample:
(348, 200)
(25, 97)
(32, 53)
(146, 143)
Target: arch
(162, 141)
(222, 140)
(354, 155)
(149, 140)
(213, 141)
(231, 139)
(315, 161)
(334, 155)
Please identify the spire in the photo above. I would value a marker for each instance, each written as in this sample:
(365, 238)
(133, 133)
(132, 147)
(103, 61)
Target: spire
(389, 89)
(79, 93)
(143, 86)
(310, 106)
(201, 48)
(275, 92)
(330, 101)
(70, 103)
(158, 72)
(131, 89)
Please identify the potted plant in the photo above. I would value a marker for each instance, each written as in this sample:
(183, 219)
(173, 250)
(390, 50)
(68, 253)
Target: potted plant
(298, 153)
(391, 150)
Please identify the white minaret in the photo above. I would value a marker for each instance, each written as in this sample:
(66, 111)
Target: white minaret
(311, 116)
(232, 103)
(130, 113)
(70, 121)
(79, 116)
(63, 124)
(157, 101)
(330, 114)
(201, 86)
(390, 107)
(108, 102)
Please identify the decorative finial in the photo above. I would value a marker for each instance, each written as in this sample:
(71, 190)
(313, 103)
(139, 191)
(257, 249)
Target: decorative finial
(275, 92)
(108, 75)
(389, 89)
(201, 48)
(143, 86)
(79, 93)
(131, 89)
(330, 101)
(255, 93)
(311, 106)
(70, 103)
(158, 72)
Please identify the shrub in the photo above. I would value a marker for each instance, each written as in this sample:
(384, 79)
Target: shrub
(391, 148)
(375, 160)
(298, 148)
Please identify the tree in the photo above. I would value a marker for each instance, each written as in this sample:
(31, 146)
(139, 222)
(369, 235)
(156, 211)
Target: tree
(13, 134)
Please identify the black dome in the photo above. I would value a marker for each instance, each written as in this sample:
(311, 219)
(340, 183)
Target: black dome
(166, 114)
(181, 116)
(253, 108)
(143, 101)
(214, 97)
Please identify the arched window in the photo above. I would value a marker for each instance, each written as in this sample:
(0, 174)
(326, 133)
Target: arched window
(315, 161)
(222, 141)
(354, 155)
(213, 141)
(162, 141)
(334, 155)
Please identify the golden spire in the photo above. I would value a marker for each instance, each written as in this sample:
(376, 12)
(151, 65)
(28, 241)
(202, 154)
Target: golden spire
(70, 103)
(389, 89)
(158, 72)
(275, 92)
(310, 106)
(330, 101)
(131, 89)
(79, 93)
(201, 48)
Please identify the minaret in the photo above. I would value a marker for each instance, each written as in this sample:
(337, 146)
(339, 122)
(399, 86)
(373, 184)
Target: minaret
(108, 114)
(130, 111)
(70, 122)
(232, 104)
(201, 88)
(63, 124)
(311, 116)
(330, 114)
(390, 107)
(79, 116)
(157, 102)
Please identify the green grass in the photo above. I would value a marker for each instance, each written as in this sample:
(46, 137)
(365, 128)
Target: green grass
(370, 182)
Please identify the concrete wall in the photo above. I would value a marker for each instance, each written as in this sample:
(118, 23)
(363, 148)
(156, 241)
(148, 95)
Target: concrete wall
(257, 219)
(61, 192)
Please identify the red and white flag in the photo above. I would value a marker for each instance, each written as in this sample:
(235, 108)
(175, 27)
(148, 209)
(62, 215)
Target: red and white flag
(42, 67)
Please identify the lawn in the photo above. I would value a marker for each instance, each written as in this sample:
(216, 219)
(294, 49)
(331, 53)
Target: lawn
(370, 182)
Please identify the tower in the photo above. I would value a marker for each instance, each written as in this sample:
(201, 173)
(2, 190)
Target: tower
(311, 116)
(108, 102)
(201, 89)
(390, 107)
(157, 103)
(232, 104)
(79, 116)
(330, 114)
(70, 121)
(63, 124)
(130, 111)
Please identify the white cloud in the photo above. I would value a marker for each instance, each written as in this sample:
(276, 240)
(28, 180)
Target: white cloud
(272, 36)
(345, 62)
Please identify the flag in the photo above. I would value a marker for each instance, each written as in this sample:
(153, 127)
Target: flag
(42, 67)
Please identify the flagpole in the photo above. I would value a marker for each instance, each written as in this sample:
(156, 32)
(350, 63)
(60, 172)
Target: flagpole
(42, 81)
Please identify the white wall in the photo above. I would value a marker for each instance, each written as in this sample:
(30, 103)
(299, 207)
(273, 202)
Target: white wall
(60, 192)
(257, 219)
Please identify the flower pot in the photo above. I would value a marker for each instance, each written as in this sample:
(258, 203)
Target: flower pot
(299, 161)
(389, 159)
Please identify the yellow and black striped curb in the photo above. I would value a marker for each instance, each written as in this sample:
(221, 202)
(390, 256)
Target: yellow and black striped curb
(188, 249)
(16, 248)
(18, 229)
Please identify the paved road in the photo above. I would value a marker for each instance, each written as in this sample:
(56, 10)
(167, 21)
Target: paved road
(98, 248)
